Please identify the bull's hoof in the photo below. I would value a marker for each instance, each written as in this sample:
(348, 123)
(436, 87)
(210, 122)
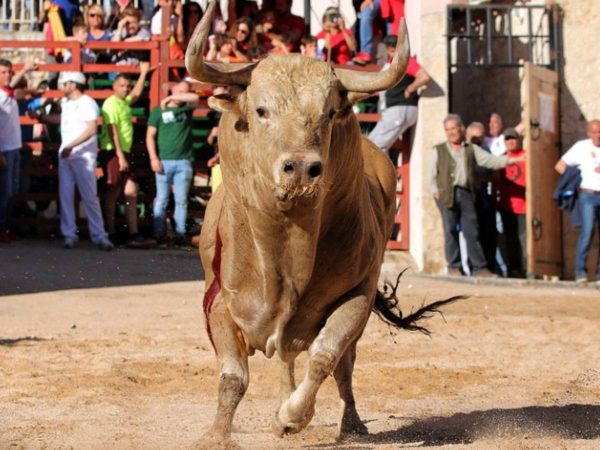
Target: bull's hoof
(352, 431)
(284, 424)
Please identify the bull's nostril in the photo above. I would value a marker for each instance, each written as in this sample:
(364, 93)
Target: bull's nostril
(288, 166)
(314, 170)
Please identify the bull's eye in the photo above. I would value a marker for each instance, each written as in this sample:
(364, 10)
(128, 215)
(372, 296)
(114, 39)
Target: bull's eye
(262, 113)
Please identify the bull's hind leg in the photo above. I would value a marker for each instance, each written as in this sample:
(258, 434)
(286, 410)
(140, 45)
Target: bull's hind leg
(342, 329)
(233, 364)
(350, 423)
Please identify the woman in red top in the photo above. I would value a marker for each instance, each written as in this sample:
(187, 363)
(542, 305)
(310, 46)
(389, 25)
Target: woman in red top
(335, 40)
(513, 205)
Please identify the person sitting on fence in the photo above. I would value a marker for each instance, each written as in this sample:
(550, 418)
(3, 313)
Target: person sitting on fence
(169, 142)
(115, 156)
(192, 13)
(80, 34)
(94, 19)
(222, 48)
(308, 46)
(245, 35)
(130, 30)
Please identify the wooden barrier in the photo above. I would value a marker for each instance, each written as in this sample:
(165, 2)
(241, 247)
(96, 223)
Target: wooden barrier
(159, 83)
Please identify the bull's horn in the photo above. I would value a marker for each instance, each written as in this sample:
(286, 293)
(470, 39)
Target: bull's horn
(216, 73)
(371, 82)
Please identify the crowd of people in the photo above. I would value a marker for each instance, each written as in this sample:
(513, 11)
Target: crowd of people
(477, 176)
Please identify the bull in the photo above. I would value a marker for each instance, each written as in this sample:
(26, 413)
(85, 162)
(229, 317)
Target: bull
(294, 238)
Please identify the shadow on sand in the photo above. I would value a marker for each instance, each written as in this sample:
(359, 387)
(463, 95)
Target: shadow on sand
(565, 422)
(568, 422)
(43, 265)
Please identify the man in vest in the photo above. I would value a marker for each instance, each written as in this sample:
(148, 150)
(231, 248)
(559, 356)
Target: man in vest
(398, 105)
(452, 183)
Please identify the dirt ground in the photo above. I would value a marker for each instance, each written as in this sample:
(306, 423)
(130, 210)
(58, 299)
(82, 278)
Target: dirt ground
(108, 350)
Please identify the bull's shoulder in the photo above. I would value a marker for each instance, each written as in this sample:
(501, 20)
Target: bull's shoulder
(379, 167)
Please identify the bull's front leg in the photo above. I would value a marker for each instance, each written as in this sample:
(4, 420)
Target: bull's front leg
(233, 364)
(342, 329)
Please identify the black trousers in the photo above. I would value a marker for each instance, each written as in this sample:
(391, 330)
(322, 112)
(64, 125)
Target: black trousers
(462, 217)
(486, 218)
(516, 242)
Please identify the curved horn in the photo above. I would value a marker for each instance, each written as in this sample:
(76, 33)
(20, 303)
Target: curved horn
(371, 82)
(216, 73)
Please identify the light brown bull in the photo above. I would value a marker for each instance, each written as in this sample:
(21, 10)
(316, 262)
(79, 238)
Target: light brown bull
(293, 240)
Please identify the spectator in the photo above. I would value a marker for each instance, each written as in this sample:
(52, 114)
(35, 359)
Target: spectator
(10, 141)
(286, 22)
(192, 13)
(129, 28)
(94, 19)
(513, 206)
(335, 40)
(281, 45)
(245, 35)
(80, 34)
(494, 141)
(485, 201)
(222, 48)
(116, 141)
(398, 105)
(369, 10)
(77, 160)
(452, 182)
(169, 141)
(308, 46)
(176, 9)
(585, 155)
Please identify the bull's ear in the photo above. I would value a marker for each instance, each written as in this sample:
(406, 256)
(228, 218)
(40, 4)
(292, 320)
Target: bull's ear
(224, 103)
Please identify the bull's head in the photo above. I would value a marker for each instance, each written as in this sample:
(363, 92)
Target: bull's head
(284, 108)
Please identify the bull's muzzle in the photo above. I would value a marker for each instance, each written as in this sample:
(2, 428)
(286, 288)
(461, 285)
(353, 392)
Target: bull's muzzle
(297, 175)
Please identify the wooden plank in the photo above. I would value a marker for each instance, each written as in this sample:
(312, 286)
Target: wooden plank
(541, 114)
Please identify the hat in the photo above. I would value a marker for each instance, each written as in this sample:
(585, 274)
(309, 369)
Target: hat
(75, 77)
(511, 133)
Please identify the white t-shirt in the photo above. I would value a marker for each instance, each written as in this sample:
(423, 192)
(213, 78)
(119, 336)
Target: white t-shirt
(73, 121)
(586, 157)
(495, 144)
(10, 129)
(156, 22)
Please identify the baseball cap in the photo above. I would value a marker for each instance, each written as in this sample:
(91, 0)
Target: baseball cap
(75, 77)
(511, 133)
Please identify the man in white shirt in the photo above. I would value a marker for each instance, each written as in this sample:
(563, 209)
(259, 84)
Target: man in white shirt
(77, 161)
(585, 155)
(10, 141)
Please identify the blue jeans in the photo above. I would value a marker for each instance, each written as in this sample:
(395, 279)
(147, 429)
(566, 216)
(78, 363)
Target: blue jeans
(177, 173)
(367, 17)
(590, 217)
(9, 183)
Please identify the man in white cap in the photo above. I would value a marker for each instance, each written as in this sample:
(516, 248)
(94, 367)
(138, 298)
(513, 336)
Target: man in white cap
(77, 161)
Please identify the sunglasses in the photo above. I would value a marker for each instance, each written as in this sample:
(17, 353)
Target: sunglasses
(94, 15)
(240, 30)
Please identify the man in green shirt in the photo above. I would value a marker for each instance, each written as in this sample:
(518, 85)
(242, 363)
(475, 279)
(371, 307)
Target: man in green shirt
(169, 141)
(116, 140)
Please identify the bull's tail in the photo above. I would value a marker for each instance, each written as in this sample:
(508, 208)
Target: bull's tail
(388, 309)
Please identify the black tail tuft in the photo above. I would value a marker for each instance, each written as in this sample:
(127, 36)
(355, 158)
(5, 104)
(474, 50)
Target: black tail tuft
(388, 309)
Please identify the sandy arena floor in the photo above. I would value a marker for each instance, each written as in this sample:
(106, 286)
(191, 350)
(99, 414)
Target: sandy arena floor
(108, 350)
